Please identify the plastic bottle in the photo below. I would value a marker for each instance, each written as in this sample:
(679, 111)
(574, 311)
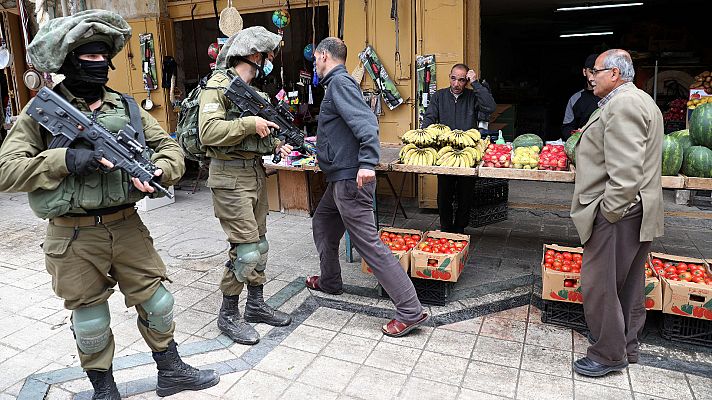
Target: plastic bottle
(500, 139)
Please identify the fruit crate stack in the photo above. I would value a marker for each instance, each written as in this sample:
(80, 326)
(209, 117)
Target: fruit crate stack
(561, 286)
(687, 298)
(400, 242)
(490, 202)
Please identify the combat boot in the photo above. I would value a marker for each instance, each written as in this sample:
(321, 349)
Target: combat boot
(256, 310)
(230, 323)
(104, 385)
(176, 376)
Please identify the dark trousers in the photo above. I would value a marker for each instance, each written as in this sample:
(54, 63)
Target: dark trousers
(450, 188)
(613, 280)
(345, 207)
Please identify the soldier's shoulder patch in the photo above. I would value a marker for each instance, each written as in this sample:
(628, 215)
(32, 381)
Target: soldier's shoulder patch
(210, 107)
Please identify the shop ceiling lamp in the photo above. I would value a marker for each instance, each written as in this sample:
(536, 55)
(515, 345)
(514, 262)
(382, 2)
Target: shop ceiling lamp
(565, 35)
(598, 6)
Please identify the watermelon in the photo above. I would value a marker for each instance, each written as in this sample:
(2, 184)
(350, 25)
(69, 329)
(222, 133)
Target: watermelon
(701, 125)
(528, 139)
(570, 146)
(672, 156)
(698, 162)
(683, 137)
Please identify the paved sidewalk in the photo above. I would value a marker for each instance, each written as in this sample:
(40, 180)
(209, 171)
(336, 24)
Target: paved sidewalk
(487, 343)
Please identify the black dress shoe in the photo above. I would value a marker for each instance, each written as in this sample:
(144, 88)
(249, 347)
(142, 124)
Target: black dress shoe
(587, 367)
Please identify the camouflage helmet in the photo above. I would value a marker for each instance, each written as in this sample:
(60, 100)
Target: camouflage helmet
(60, 36)
(255, 39)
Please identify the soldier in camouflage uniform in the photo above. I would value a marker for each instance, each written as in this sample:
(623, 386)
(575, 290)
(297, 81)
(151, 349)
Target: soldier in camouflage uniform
(95, 239)
(237, 181)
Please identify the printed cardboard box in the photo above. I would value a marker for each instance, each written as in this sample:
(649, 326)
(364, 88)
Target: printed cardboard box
(653, 292)
(443, 267)
(559, 285)
(403, 257)
(687, 299)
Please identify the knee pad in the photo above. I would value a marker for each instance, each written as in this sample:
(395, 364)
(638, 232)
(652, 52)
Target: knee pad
(263, 248)
(159, 310)
(247, 259)
(91, 327)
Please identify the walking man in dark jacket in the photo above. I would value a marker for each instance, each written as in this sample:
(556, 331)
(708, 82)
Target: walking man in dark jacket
(348, 150)
(459, 108)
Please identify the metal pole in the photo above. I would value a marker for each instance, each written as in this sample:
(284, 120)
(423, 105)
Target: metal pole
(655, 82)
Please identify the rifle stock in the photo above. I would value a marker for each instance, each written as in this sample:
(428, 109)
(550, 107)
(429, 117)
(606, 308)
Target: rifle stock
(68, 125)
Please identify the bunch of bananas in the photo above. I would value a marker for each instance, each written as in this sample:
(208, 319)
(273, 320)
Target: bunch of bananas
(465, 158)
(419, 137)
(439, 130)
(411, 154)
(460, 139)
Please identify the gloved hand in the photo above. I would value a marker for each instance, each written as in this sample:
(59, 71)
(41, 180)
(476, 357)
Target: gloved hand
(82, 161)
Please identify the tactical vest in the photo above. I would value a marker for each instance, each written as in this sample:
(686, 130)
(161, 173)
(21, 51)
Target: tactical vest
(76, 194)
(253, 143)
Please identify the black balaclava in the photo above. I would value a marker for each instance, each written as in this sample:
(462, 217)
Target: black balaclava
(86, 79)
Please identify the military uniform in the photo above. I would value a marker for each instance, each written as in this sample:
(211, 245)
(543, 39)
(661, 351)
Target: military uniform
(238, 183)
(95, 239)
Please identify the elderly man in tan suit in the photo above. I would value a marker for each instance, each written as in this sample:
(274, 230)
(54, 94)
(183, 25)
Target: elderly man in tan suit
(618, 210)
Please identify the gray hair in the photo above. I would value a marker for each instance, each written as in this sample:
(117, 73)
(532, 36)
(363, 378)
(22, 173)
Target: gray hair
(617, 58)
(334, 46)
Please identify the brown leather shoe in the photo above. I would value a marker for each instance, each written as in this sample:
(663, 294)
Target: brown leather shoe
(395, 328)
(313, 284)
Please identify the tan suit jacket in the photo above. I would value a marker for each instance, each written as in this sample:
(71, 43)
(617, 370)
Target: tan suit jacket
(618, 157)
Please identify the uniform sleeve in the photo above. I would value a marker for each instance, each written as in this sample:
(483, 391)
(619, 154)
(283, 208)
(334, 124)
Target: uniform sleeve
(432, 112)
(624, 140)
(168, 155)
(25, 162)
(214, 129)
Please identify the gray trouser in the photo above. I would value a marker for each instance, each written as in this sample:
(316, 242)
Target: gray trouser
(345, 207)
(612, 281)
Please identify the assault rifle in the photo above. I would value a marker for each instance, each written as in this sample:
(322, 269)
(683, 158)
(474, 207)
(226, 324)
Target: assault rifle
(252, 104)
(68, 125)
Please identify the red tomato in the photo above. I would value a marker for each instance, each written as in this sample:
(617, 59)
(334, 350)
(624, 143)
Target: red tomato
(548, 265)
(415, 237)
(685, 276)
(442, 240)
(698, 279)
(671, 270)
(557, 265)
(566, 268)
(550, 252)
(567, 256)
(427, 249)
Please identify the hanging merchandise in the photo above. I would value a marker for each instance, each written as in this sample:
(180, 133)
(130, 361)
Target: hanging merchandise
(230, 20)
(386, 86)
(148, 62)
(394, 17)
(5, 59)
(425, 82)
(170, 68)
(31, 78)
(309, 52)
(280, 18)
(213, 50)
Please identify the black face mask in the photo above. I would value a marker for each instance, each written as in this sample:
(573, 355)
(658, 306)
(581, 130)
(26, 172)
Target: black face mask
(86, 79)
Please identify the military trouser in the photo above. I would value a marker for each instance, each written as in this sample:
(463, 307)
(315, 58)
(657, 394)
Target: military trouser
(239, 190)
(87, 262)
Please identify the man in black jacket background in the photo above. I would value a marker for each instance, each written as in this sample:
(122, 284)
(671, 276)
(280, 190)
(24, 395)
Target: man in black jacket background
(459, 108)
(581, 104)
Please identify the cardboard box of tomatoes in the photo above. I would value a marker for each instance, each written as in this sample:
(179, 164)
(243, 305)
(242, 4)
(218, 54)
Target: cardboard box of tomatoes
(561, 273)
(401, 242)
(686, 284)
(440, 256)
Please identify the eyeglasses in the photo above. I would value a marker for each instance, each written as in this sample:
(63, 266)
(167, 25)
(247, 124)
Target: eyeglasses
(461, 80)
(594, 71)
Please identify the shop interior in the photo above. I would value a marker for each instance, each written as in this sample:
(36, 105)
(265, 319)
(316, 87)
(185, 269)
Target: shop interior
(530, 66)
(293, 65)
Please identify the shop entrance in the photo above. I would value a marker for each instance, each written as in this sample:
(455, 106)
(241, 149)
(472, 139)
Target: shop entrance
(533, 70)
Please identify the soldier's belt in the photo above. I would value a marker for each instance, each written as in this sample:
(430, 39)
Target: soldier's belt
(238, 162)
(93, 220)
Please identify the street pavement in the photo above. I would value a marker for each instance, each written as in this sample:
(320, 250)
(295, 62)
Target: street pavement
(487, 343)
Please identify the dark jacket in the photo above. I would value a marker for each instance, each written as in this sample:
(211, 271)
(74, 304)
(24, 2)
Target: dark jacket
(579, 108)
(347, 135)
(462, 113)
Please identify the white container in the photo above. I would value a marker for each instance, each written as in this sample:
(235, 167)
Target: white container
(148, 204)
